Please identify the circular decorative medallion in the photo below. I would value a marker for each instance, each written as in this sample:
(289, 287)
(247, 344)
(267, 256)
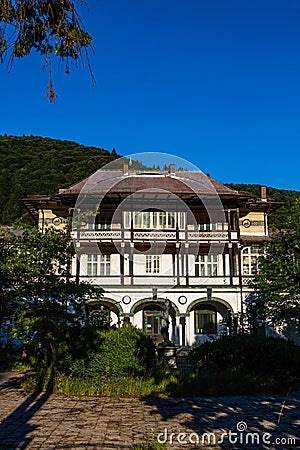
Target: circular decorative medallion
(246, 223)
(126, 299)
(182, 299)
(56, 221)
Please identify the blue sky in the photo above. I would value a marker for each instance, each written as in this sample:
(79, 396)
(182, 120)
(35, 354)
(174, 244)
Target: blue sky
(216, 82)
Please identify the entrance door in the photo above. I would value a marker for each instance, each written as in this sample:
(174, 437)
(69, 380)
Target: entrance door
(152, 324)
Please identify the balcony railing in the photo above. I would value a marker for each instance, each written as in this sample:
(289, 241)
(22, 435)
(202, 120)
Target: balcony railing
(97, 235)
(155, 235)
(167, 281)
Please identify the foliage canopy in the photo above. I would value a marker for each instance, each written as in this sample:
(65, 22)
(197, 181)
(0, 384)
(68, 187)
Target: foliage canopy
(37, 296)
(49, 27)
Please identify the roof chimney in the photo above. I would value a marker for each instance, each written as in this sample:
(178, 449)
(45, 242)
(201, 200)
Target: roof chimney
(263, 193)
(125, 169)
(172, 169)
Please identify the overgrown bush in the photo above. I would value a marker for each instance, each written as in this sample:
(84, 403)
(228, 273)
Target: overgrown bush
(112, 352)
(122, 351)
(249, 354)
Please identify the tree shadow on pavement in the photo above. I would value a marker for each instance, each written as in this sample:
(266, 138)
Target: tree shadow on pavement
(205, 420)
(15, 429)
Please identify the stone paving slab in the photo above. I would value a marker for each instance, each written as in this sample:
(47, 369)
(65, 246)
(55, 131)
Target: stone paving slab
(43, 421)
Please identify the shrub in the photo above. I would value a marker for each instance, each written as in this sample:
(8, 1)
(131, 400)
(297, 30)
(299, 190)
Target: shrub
(112, 352)
(249, 354)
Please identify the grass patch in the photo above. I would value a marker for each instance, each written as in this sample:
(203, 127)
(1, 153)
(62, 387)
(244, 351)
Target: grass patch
(206, 382)
(127, 385)
(124, 386)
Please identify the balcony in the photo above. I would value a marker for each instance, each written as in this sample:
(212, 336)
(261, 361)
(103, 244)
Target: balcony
(159, 280)
(97, 235)
(125, 235)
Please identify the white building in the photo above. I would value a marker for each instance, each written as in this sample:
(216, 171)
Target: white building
(148, 237)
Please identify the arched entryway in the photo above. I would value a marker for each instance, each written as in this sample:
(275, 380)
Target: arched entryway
(104, 312)
(149, 315)
(208, 319)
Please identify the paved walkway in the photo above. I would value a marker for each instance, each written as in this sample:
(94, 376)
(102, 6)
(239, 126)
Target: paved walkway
(43, 421)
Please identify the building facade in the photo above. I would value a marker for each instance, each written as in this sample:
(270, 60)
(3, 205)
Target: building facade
(168, 247)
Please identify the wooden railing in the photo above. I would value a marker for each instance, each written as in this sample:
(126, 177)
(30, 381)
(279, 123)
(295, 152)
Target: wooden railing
(160, 280)
(155, 235)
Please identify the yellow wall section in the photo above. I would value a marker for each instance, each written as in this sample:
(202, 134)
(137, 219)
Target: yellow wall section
(49, 219)
(257, 220)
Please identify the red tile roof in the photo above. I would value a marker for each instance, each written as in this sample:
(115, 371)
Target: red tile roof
(182, 183)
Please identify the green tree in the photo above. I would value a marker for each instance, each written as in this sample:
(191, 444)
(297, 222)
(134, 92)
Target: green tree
(37, 294)
(278, 280)
(52, 28)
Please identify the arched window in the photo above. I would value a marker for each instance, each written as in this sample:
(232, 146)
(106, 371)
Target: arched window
(205, 319)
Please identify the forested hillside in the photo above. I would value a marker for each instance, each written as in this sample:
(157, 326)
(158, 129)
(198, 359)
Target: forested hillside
(35, 165)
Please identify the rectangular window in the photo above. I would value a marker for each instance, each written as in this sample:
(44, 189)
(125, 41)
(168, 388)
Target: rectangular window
(205, 321)
(152, 322)
(181, 220)
(98, 265)
(104, 263)
(147, 216)
(92, 265)
(154, 220)
(127, 221)
(207, 226)
(138, 220)
(152, 263)
(206, 266)
(250, 256)
(161, 220)
(170, 220)
(104, 223)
